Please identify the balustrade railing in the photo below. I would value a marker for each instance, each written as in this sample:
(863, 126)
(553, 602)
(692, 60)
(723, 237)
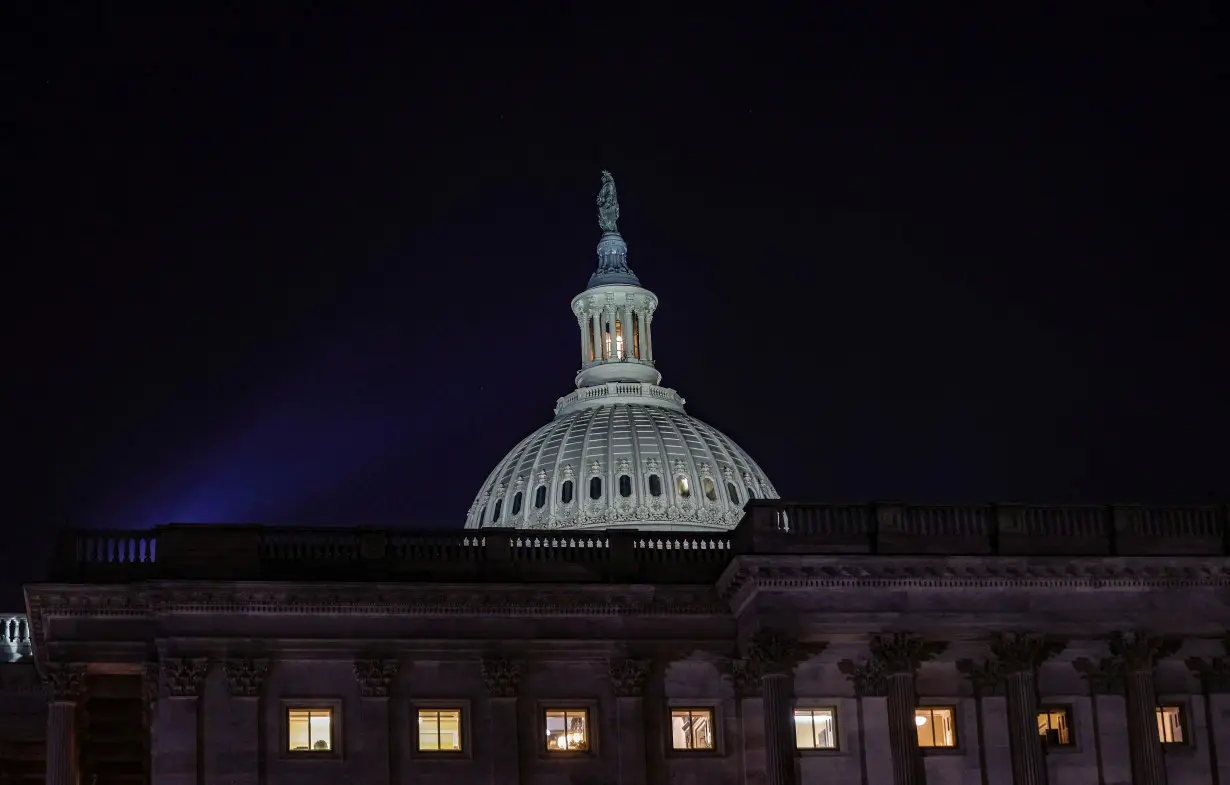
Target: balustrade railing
(768, 527)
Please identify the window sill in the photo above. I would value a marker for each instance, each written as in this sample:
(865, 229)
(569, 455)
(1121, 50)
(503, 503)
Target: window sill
(940, 751)
(812, 752)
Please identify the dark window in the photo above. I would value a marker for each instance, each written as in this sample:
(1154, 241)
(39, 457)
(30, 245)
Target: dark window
(710, 489)
(517, 503)
(655, 485)
(482, 515)
(540, 497)
(1055, 726)
(565, 492)
(495, 516)
(595, 488)
(625, 485)
(733, 491)
(751, 494)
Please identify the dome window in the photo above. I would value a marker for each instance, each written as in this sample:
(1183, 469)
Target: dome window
(540, 497)
(733, 492)
(625, 485)
(685, 487)
(751, 494)
(516, 503)
(655, 485)
(595, 487)
(495, 516)
(482, 516)
(710, 491)
(565, 492)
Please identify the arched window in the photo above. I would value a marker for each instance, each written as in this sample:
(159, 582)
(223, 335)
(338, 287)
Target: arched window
(595, 487)
(655, 485)
(565, 492)
(540, 497)
(733, 491)
(625, 485)
(685, 487)
(516, 503)
(495, 516)
(710, 491)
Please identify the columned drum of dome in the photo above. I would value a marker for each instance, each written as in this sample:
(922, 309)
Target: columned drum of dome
(621, 451)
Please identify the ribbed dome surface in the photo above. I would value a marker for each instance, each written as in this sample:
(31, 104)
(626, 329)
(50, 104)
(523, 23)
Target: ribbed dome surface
(634, 465)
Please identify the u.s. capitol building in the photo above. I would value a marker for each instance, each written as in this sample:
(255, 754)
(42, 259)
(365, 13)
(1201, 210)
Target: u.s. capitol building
(629, 603)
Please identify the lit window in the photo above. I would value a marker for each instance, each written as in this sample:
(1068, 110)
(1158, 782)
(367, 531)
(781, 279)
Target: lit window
(636, 336)
(685, 487)
(1170, 725)
(691, 729)
(655, 485)
(732, 492)
(936, 727)
(439, 730)
(710, 490)
(516, 503)
(619, 340)
(815, 729)
(567, 730)
(565, 492)
(1055, 726)
(309, 730)
(595, 487)
(540, 497)
(625, 485)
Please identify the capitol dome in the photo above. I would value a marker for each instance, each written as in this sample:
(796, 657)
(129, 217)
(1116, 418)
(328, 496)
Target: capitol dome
(621, 452)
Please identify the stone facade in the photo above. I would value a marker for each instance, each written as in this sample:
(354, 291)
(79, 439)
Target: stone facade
(862, 644)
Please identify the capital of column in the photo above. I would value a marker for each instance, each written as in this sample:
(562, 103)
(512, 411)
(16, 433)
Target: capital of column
(1214, 674)
(628, 676)
(1138, 651)
(182, 677)
(64, 682)
(903, 652)
(778, 652)
(502, 676)
(1015, 652)
(868, 677)
(745, 678)
(375, 677)
(245, 677)
(1104, 677)
(987, 677)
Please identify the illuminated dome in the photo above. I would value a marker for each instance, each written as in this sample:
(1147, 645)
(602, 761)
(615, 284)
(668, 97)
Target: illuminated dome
(621, 452)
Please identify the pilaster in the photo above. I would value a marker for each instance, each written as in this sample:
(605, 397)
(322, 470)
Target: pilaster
(628, 681)
(231, 715)
(503, 679)
(65, 686)
(899, 655)
(175, 758)
(871, 690)
(376, 679)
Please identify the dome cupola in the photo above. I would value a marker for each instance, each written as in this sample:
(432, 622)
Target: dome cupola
(621, 452)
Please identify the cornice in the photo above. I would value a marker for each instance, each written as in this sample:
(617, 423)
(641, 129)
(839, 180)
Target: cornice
(803, 573)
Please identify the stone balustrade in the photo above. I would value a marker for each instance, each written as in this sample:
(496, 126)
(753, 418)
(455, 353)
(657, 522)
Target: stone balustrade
(226, 552)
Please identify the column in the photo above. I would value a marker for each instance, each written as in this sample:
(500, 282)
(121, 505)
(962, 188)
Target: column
(899, 656)
(775, 655)
(503, 680)
(65, 684)
(628, 679)
(1018, 657)
(1136, 654)
(376, 680)
(175, 757)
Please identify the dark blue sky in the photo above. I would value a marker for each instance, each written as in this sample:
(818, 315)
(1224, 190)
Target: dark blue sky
(316, 269)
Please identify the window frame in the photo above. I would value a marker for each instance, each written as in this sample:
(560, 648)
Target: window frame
(1180, 708)
(336, 728)
(467, 738)
(813, 707)
(713, 709)
(590, 707)
(953, 706)
(1048, 707)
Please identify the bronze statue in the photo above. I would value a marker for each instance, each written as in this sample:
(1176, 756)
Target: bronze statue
(608, 204)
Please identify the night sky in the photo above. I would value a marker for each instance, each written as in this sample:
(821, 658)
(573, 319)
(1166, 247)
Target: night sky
(317, 268)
